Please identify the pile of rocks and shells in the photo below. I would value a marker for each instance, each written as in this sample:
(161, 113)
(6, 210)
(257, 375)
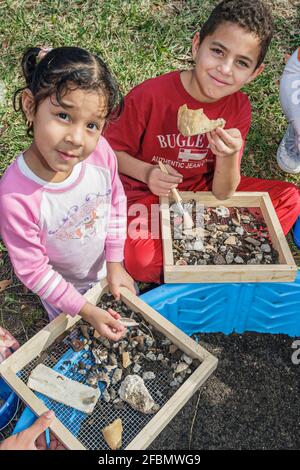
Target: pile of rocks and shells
(221, 236)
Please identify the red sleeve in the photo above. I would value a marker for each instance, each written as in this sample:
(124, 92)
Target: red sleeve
(125, 134)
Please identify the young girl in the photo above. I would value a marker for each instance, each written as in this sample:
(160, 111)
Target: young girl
(62, 204)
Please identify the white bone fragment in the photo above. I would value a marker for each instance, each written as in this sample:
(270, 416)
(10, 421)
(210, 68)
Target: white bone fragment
(58, 387)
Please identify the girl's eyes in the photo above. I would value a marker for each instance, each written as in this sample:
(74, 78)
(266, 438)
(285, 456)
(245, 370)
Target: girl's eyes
(63, 116)
(93, 126)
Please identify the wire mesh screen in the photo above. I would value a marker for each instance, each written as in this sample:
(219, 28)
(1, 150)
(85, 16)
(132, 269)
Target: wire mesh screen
(87, 427)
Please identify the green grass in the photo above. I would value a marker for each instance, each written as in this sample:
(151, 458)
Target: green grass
(139, 39)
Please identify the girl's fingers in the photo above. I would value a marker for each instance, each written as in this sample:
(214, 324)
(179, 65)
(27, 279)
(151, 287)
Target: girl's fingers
(114, 314)
(114, 289)
(4, 353)
(113, 336)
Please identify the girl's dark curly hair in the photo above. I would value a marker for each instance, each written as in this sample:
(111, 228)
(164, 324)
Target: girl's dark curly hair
(252, 15)
(64, 69)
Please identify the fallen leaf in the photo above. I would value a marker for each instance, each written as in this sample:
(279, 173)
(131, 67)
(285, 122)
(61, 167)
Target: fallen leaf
(4, 284)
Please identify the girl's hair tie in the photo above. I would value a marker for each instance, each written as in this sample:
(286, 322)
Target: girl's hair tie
(44, 51)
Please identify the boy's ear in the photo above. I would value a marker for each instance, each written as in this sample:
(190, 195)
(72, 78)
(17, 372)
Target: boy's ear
(28, 104)
(195, 45)
(256, 72)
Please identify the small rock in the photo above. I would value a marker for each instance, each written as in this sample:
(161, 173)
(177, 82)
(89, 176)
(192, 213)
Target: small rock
(265, 248)
(187, 359)
(77, 345)
(136, 368)
(118, 404)
(155, 408)
(181, 367)
(229, 257)
(117, 376)
(222, 211)
(173, 348)
(239, 260)
(106, 396)
(174, 383)
(166, 342)
(198, 245)
(149, 375)
(151, 356)
(149, 341)
(252, 241)
(239, 230)
(219, 259)
(126, 359)
(231, 240)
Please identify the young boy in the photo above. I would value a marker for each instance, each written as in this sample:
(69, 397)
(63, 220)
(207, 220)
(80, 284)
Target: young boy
(288, 154)
(228, 53)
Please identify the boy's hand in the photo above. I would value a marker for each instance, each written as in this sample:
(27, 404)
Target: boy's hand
(160, 183)
(117, 276)
(33, 438)
(106, 323)
(8, 344)
(225, 142)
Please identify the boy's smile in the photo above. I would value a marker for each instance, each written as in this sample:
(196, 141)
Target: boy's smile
(64, 134)
(224, 62)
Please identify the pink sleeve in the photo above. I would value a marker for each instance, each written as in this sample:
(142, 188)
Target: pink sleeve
(21, 235)
(116, 232)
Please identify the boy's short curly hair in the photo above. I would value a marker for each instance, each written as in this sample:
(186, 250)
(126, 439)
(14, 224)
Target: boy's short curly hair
(252, 15)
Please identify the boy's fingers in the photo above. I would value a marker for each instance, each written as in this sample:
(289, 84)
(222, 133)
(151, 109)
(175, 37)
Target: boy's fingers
(229, 134)
(171, 179)
(220, 145)
(174, 172)
(40, 425)
(225, 137)
(165, 186)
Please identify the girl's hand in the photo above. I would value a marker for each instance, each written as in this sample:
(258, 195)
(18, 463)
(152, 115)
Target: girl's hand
(8, 344)
(106, 323)
(225, 143)
(160, 183)
(33, 438)
(117, 276)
